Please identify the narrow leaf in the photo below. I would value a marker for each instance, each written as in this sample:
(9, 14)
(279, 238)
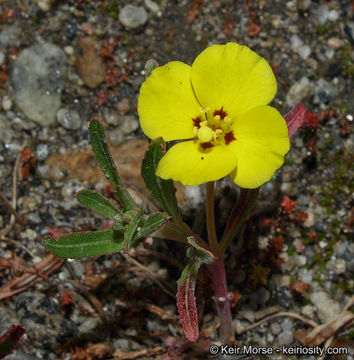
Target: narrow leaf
(122, 195)
(152, 223)
(186, 303)
(97, 203)
(104, 158)
(79, 245)
(295, 118)
(162, 190)
(10, 339)
(198, 252)
(129, 235)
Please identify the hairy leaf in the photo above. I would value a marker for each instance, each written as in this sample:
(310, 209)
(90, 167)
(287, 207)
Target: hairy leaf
(104, 158)
(162, 190)
(152, 223)
(79, 245)
(97, 203)
(186, 303)
(197, 252)
(130, 233)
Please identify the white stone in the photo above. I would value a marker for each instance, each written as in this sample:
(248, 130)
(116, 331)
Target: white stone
(133, 16)
(326, 308)
(37, 81)
(6, 103)
(304, 51)
(333, 15)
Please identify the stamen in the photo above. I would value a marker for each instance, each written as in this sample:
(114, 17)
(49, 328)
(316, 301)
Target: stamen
(217, 118)
(205, 110)
(227, 119)
(203, 123)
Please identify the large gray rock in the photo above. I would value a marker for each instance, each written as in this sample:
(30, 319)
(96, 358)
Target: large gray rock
(37, 81)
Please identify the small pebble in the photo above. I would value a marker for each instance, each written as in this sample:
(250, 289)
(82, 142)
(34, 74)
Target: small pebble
(285, 338)
(333, 15)
(44, 5)
(326, 308)
(304, 275)
(69, 119)
(275, 328)
(310, 220)
(123, 106)
(308, 311)
(42, 152)
(334, 42)
(133, 16)
(2, 58)
(287, 324)
(69, 50)
(55, 174)
(121, 344)
(6, 103)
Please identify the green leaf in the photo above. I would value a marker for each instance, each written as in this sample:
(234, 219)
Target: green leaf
(151, 224)
(79, 245)
(97, 203)
(197, 252)
(104, 158)
(129, 235)
(190, 270)
(150, 65)
(162, 190)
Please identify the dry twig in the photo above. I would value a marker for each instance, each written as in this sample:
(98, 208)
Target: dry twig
(162, 283)
(32, 275)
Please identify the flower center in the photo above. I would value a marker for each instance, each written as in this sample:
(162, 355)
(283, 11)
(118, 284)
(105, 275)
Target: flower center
(215, 130)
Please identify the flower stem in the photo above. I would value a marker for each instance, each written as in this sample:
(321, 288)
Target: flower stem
(218, 278)
(210, 218)
(238, 216)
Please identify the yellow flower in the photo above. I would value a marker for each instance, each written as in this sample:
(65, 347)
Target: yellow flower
(218, 108)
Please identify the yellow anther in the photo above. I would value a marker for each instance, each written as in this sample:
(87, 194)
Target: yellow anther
(217, 118)
(203, 123)
(227, 119)
(205, 134)
(195, 130)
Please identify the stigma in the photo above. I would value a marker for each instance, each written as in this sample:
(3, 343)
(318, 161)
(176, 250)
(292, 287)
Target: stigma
(214, 130)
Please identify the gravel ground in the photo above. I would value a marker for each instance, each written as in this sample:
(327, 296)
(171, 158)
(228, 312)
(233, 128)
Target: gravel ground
(64, 62)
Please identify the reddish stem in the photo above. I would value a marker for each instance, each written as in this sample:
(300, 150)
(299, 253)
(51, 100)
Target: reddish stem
(218, 278)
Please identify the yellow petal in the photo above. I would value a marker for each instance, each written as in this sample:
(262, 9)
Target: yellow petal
(233, 77)
(188, 163)
(261, 143)
(167, 103)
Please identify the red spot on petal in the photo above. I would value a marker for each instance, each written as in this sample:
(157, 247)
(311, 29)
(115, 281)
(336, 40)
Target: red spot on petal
(222, 113)
(197, 121)
(206, 145)
(229, 137)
